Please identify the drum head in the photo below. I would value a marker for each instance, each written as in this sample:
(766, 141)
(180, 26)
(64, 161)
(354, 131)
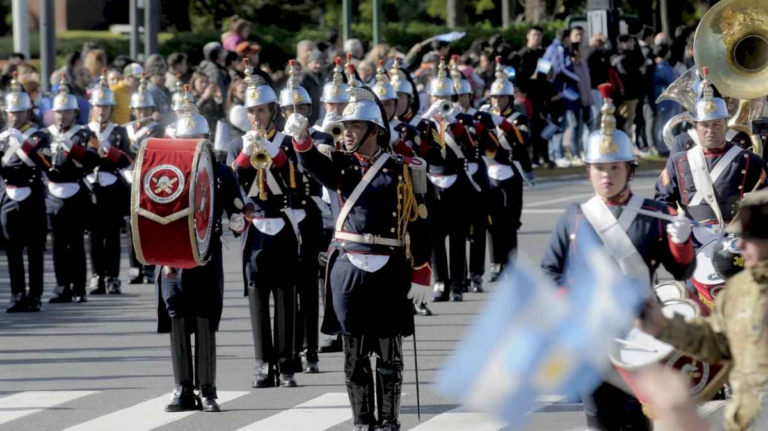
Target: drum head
(639, 349)
(203, 195)
(669, 291)
(686, 308)
(705, 273)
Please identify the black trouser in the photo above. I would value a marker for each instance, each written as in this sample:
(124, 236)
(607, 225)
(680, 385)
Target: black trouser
(308, 272)
(25, 228)
(506, 208)
(279, 354)
(477, 232)
(611, 409)
(105, 229)
(205, 354)
(450, 219)
(68, 226)
(359, 378)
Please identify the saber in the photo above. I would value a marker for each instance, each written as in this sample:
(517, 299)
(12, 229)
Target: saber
(662, 216)
(416, 369)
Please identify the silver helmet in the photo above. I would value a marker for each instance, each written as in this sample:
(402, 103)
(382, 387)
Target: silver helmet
(382, 87)
(141, 98)
(64, 101)
(399, 81)
(102, 95)
(362, 104)
(708, 107)
(441, 85)
(502, 86)
(17, 100)
(192, 123)
(258, 92)
(608, 145)
(178, 96)
(460, 84)
(293, 93)
(335, 90)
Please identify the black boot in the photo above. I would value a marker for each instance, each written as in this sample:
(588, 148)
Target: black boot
(61, 295)
(98, 286)
(18, 304)
(181, 357)
(439, 293)
(422, 310)
(113, 286)
(205, 365)
(34, 304)
(263, 376)
(330, 344)
(495, 272)
(310, 362)
(287, 381)
(477, 284)
(359, 379)
(389, 383)
(137, 277)
(456, 292)
(149, 274)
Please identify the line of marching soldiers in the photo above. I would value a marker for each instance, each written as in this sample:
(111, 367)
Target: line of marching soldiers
(461, 174)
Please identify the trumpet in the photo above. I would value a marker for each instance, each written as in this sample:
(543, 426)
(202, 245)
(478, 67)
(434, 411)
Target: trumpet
(446, 107)
(337, 131)
(260, 158)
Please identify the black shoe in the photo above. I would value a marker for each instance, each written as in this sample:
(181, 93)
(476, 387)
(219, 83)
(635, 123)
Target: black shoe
(388, 427)
(137, 277)
(34, 304)
(80, 299)
(18, 304)
(363, 428)
(330, 344)
(287, 381)
(422, 310)
(149, 275)
(113, 285)
(98, 285)
(439, 293)
(183, 400)
(494, 273)
(207, 400)
(310, 363)
(477, 284)
(263, 377)
(63, 296)
(456, 296)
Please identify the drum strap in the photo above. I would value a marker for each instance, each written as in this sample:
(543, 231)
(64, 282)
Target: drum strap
(358, 191)
(505, 144)
(277, 191)
(14, 149)
(613, 233)
(450, 141)
(103, 137)
(704, 180)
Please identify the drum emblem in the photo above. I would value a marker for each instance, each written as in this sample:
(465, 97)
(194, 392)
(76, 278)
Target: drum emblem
(164, 183)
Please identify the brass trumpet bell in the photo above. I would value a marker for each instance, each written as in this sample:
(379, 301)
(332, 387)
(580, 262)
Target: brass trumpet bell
(732, 40)
(337, 131)
(260, 160)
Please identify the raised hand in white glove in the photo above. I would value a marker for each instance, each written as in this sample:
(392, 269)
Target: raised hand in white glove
(249, 143)
(296, 126)
(330, 119)
(680, 230)
(419, 293)
(433, 110)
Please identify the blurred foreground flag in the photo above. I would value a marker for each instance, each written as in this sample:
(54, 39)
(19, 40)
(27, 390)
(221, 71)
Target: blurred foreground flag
(529, 341)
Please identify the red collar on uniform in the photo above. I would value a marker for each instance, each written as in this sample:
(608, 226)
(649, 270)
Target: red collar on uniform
(367, 161)
(620, 199)
(716, 151)
(407, 117)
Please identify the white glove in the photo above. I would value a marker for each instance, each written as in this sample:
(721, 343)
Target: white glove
(433, 110)
(419, 293)
(295, 125)
(330, 119)
(249, 143)
(680, 230)
(237, 223)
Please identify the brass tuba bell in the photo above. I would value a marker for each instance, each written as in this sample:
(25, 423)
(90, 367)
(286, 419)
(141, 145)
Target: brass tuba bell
(681, 91)
(732, 40)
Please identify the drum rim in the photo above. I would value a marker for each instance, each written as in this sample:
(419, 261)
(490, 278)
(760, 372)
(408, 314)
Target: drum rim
(679, 285)
(202, 145)
(625, 366)
(135, 203)
(694, 280)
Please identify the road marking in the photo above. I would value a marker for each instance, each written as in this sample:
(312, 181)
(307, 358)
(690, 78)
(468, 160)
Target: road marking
(317, 414)
(144, 416)
(577, 197)
(460, 419)
(26, 403)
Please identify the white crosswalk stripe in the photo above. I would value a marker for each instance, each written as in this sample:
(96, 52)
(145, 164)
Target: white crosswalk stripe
(22, 404)
(317, 414)
(144, 416)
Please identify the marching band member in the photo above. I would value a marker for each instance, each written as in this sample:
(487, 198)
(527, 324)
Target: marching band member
(466, 115)
(73, 153)
(22, 199)
(448, 150)
(611, 215)
(191, 300)
(379, 258)
(177, 105)
(110, 190)
(710, 178)
(306, 204)
(509, 166)
(271, 242)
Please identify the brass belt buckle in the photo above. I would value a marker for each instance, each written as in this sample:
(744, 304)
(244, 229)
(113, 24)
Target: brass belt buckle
(369, 238)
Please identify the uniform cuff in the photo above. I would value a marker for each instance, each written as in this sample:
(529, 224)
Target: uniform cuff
(27, 147)
(280, 159)
(458, 129)
(479, 128)
(76, 152)
(506, 126)
(303, 146)
(243, 161)
(682, 253)
(422, 275)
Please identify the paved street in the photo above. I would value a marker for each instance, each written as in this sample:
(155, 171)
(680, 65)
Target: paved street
(101, 365)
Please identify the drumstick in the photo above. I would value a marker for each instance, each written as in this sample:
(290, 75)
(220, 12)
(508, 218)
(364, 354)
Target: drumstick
(658, 215)
(635, 345)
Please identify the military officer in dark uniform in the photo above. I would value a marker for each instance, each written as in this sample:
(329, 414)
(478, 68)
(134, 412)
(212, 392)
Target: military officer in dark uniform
(448, 150)
(110, 190)
(73, 154)
(710, 178)
(307, 203)
(611, 217)
(271, 242)
(379, 259)
(145, 126)
(22, 199)
(191, 300)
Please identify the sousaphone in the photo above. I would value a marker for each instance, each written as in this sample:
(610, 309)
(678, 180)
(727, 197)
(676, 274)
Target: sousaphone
(732, 40)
